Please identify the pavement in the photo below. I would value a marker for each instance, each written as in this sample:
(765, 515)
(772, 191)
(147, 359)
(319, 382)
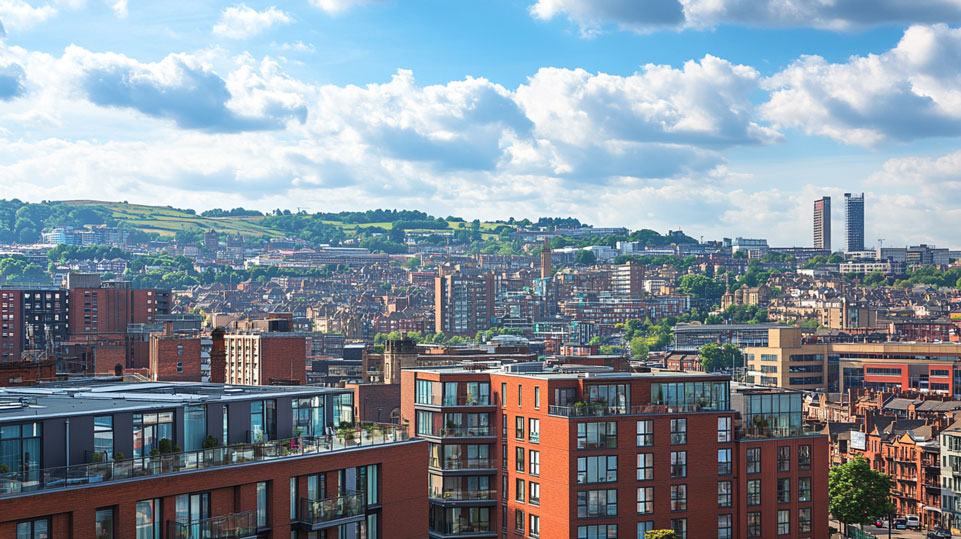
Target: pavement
(882, 533)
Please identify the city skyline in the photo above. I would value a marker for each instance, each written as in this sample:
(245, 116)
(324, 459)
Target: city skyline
(714, 119)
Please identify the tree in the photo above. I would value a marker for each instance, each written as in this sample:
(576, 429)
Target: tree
(639, 348)
(700, 286)
(857, 494)
(716, 358)
(660, 534)
(586, 257)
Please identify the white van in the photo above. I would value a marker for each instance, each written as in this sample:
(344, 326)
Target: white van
(913, 522)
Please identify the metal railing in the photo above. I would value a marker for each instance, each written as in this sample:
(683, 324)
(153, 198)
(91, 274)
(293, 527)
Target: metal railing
(597, 409)
(232, 526)
(47, 479)
(330, 509)
(459, 432)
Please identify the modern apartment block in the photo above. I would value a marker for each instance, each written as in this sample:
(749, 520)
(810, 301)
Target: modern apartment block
(789, 362)
(33, 319)
(463, 302)
(528, 451)
(114, 460)
(628, 279)
(854, 222)
(950, 462)
(822, 223)
(262, 358)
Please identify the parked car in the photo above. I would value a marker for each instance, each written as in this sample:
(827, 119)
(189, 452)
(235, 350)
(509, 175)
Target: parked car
(913, 522)
(939, 533)
(879, 523)
(900, 523)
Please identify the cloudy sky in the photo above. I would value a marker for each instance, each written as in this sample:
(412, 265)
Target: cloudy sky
(722, 117)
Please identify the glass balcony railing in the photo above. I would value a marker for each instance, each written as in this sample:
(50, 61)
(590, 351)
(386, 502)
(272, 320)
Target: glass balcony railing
(462, 494)
(458, 432)
(461, 528)
(461, 464)
(47, 479)
(600, 409)
(233, 526)
(326, 510)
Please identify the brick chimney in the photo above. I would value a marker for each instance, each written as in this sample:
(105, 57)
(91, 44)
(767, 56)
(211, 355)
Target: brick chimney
(218, 357)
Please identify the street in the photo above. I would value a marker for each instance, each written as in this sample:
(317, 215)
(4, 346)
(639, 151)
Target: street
(882, 533)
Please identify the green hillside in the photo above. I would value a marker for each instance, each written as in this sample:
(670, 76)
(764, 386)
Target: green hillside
(168, 221)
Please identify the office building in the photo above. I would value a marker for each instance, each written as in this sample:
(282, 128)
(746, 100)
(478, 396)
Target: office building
(33, 319)
(114, 460)
(556, 453)
(854, 222)
(789, 362)
(822, 223)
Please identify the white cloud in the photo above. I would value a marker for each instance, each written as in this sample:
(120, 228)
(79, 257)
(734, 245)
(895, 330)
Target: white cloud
(240, 21)
(335, 7)
(296, 46)
(19, 15)
(909, 92)
(593, 16)
(119, 8)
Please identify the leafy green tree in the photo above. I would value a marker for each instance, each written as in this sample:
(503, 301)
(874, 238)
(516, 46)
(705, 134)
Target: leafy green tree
(700, 286)
(716, 358)
(835, 258)
(639, 348)
(586, 257)
(660, 534)
(857, 494)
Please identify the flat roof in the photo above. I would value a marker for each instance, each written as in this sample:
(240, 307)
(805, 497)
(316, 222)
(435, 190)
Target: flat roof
(91, 396)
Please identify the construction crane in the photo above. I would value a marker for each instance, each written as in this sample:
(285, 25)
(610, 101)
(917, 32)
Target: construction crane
(880, 243)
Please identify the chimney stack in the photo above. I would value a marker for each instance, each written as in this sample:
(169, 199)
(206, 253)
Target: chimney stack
(218, 357)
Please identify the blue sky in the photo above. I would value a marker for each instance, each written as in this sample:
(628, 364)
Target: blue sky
(723, 117)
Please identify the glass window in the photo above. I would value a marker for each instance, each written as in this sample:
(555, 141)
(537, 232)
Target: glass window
(784, 490)
(616, 397)
(20, 449)
(804, 489)
(148, 519)
(597, 503)
(149, 429)
(783, 522)
(534, 530)
(784, 458)
(518, 521)
(645, 433)
(678, 431)
(644, 527)
(754, 460)
(343, 404)
(103, 437)
(724, 429)
(537, 397)
(503, 394)
(535, 458)
(195, 427)
(293, 498)
(678, 463)
(519, 459)
(679, 497)
(804, 520)
(679, 525)
(104, 523)
(804, 457)
(308, 416)
(724, 462)
(724, 494)
(754, 492)
(724, 527)
(519, 392)
(754, 524)
(534, 493)
(424, 392)
(534, 432)
(35, 529)
(645, 500)
(600, 469)
(645, 466)
(597, 435)
(262, 504)
(519, 428)
(519, 490)
(597, 531)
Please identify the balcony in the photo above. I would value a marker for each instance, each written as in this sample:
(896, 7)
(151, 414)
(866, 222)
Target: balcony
(462, 495)
(481, 431)
(96, 474)
(463, 529)
(451, 401)
(329, 512)
(462, 464)
(601, 409)
(232, 526)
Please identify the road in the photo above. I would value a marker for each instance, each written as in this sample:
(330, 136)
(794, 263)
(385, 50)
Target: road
(882, 533)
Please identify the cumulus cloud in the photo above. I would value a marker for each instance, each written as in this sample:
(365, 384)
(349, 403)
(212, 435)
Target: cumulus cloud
(11, 81)
(240, 21)
(179, 88)
(909, 92)
(119, 8)
(595, 15)
(936, 179)
(19, 15)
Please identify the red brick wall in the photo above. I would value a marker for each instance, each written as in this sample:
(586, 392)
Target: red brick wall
(283, 358)
(403, 494)
(164, 359)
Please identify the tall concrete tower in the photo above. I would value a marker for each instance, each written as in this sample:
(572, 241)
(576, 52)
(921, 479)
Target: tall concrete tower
(822, 223)
(854, 221)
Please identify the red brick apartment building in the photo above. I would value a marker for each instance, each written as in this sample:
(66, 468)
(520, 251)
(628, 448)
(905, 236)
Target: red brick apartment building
(524, 452)
(279, 469)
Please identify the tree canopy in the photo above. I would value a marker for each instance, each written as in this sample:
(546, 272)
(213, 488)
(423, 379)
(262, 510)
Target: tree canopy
(857, 494)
